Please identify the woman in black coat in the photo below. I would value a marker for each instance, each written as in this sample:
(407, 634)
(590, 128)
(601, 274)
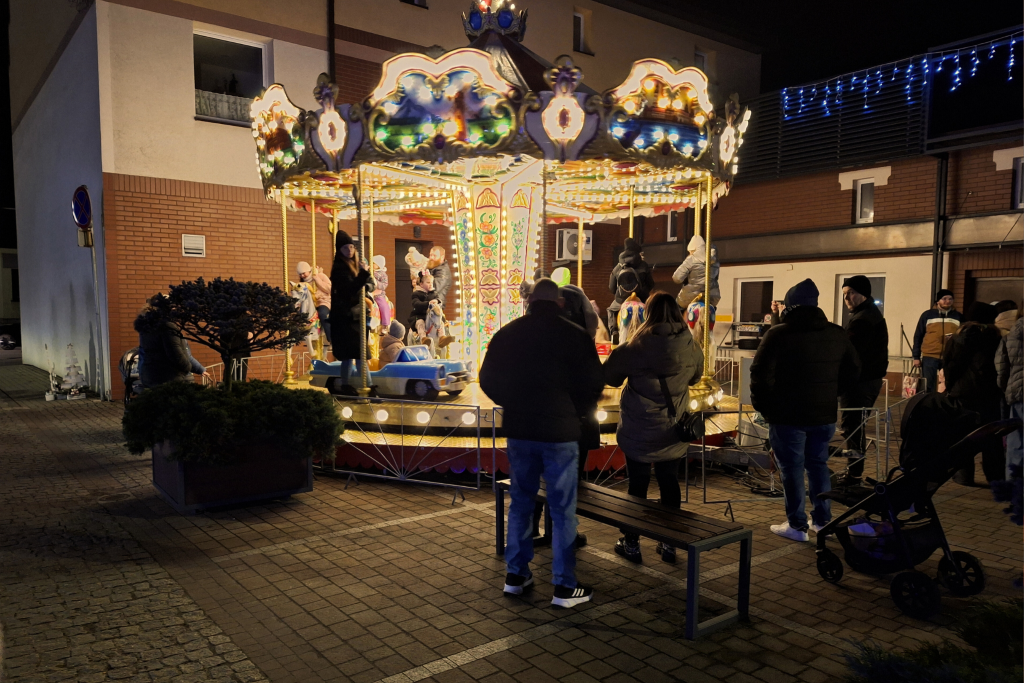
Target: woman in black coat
(348, 280)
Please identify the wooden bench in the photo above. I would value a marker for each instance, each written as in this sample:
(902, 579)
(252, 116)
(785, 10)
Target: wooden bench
(679, 528)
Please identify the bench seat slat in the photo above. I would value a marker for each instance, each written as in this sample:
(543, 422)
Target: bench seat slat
(641, 505)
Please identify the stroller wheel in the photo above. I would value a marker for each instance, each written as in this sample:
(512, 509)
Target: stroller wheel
(915, 594)
(830, 567)
(970, 580)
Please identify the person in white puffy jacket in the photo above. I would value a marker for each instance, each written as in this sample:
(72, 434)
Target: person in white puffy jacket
(692, 271)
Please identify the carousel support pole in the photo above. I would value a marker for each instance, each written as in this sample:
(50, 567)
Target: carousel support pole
(364, 368)
(708, 361)
(289, 373)
(544, 217)
(696, 214)
(312, 228)
(631, 202)
(369, 258)
(580, 243)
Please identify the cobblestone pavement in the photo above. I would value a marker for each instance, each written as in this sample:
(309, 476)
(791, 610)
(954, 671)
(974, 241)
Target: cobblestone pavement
(100, 580)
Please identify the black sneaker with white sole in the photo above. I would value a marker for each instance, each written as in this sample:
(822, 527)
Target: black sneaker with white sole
(570, 597)
(516, 585)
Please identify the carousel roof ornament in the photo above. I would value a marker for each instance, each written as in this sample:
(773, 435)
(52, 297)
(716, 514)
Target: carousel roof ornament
(494, 15)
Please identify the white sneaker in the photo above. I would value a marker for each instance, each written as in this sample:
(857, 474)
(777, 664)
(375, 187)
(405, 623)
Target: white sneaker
(786, 531)
(816, 528)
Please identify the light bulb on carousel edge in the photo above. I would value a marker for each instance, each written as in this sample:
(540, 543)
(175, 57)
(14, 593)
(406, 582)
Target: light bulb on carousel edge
(705, 396)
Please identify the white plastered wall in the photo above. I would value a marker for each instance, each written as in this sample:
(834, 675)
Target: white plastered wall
(56, 149)
(147, 86)
(907, 287)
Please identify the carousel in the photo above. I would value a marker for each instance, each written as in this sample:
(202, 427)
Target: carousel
(497, 144)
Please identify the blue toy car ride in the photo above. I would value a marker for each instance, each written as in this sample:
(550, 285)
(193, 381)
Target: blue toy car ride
(414, 374)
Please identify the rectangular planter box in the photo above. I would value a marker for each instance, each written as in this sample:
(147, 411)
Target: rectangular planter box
(192, 487)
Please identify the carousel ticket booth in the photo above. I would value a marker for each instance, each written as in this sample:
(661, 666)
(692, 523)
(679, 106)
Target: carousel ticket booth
(495, 143)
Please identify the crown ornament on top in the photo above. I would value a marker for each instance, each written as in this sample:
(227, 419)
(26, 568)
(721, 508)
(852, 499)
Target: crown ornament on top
(499, 16)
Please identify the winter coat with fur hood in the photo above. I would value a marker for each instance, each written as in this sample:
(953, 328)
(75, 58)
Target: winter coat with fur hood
(1010, 363)
(646, 432)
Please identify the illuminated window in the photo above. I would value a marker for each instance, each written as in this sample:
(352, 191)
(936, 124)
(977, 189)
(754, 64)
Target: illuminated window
(229, 74)
(581, 32)
(864, 207)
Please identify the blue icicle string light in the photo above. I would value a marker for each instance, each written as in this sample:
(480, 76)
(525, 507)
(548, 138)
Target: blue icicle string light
(918, 73)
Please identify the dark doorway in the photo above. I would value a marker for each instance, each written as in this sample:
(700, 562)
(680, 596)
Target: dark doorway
(992, 289)
(403, 282)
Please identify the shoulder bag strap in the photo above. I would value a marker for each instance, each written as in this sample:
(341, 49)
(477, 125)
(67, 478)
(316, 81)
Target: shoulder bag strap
(669, 404)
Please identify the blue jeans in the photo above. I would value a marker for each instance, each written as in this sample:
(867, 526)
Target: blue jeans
(557, 463)
(797, 449)
(1014, 447)
(930, 371)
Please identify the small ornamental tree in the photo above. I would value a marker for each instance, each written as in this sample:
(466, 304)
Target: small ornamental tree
(222, 314)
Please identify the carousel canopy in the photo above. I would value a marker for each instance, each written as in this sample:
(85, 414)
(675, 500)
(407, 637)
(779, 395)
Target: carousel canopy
(495, 142)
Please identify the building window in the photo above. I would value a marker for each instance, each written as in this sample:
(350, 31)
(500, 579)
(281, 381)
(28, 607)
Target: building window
(755, 300)
(418, 3)
(1018, 183)
(877, 292)
(672, 233)
(229, 74)
(700, 60)
(864, 198)
(581, 32)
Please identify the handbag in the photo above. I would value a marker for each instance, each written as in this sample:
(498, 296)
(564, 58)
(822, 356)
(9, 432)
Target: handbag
(690, 426)
(912, 382)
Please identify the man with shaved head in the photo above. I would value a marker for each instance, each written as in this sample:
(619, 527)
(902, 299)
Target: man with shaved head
(544, 372)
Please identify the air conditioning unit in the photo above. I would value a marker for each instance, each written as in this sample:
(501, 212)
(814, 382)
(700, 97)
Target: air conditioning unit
(565, 245)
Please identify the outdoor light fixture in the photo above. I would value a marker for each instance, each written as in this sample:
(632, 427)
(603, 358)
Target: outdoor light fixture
(468, 418)
(423, 417)
(382, 415)
(346, 412)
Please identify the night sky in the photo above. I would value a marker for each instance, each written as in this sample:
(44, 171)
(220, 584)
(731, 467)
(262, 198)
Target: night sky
(808, 40)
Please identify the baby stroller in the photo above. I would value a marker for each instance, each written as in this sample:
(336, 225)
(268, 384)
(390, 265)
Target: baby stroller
(129, 367)
(892, 526)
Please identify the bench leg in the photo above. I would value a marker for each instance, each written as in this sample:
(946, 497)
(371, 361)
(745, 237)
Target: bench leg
(692, 593)
(499, 520)
(743, 593)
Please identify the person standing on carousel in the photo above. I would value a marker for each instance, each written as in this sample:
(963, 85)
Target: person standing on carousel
(542, 423)
(348, 281)
(441, 273)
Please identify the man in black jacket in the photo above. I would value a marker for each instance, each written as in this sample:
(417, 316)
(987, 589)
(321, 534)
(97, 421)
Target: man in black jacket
(870, 336)
(441, 273)
(544, 371)
(802, 366)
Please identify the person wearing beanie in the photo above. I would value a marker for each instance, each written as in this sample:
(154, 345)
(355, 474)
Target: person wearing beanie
(934, 328)
(692, 273)
(391, 343)
(870, 336)
(348, 282)
(799, 371)
(631, 275)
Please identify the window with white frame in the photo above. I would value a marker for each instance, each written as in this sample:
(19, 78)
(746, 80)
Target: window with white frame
(1018, 183)
(754, 300)
(581, 31)
(864, 201)
(229, 74)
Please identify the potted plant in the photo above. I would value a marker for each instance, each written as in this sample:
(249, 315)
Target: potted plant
(220, 446)
(243, 441)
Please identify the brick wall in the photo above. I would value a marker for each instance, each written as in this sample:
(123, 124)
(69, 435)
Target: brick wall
(356, 78)
(144, 219)
(815, 201)
(965, 266)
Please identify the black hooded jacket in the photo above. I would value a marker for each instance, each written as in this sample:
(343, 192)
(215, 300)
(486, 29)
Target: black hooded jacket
(544, 371)
(870, 336)
(630, 258)
(802, 366)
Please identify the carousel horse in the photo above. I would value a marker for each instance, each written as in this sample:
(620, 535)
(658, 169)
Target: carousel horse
(631, 316)
(695, 319)
(436, 329)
